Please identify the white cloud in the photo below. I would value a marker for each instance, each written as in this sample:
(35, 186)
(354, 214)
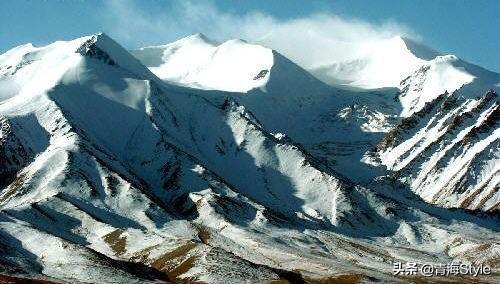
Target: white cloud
(310, 41)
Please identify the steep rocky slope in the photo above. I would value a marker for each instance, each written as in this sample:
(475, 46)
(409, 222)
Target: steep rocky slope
(448, 152)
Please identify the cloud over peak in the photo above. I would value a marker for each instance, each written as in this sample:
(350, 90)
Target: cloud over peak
(312, 40)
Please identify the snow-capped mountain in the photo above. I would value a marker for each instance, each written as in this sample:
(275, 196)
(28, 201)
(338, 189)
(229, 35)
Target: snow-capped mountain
(195, 61)
(219, 163)
(338, 125)
(421, 73)
(384, 64)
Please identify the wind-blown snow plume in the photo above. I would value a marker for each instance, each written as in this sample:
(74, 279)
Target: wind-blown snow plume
(327, 37)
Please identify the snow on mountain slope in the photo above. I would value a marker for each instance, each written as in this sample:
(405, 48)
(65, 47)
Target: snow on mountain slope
(429, 81)
(444, 74)
(448, 152)
(338, 126)
(384, 64)
(124, 178)
(197, 62)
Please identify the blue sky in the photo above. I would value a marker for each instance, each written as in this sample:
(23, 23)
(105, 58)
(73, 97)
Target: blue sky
(468, 29)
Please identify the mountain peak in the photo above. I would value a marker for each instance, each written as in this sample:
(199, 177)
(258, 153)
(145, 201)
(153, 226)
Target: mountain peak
(384, 64)
(102, 47)
(198, 62)
(197, 38)
(419, 49)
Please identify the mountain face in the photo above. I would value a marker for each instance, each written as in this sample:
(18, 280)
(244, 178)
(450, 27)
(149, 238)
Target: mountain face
(217, 163)
(448, 152)
(341, 126)
(337, 125)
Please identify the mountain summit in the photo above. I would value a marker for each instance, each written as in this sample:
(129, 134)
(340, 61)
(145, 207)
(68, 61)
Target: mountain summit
(195, 61)
(418, 71)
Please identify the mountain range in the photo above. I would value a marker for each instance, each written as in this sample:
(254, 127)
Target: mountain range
(199, 161)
